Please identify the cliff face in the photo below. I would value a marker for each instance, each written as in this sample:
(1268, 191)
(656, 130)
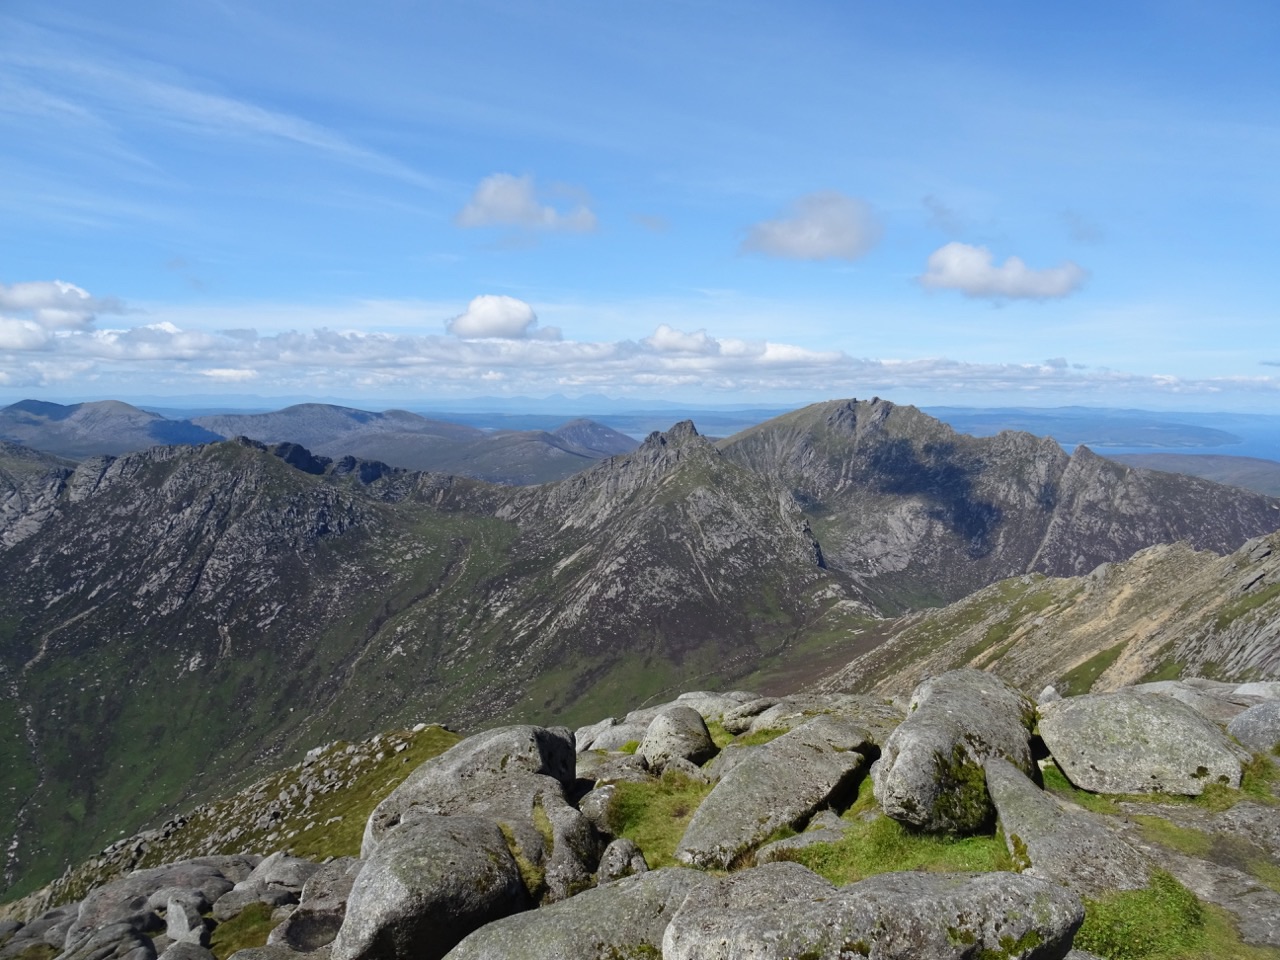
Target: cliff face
(920, 515)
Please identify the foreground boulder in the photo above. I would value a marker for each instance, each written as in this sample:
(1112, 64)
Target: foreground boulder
(1258, 728)
(1068, 847)
(781, 910)
(1130, 742)
(679, 732)
(431, 882)
(321, 909)
(778, 785)
(930, 773)
(623, 919)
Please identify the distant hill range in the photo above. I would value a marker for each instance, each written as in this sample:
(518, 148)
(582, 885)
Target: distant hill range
(1251, 473)
(396, 437)
(176, 619)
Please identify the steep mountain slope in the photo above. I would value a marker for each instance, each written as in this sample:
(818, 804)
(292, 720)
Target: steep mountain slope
(183, 615)
(89, 429)
(919, 514)
(1169, 611)
(30, 483)
(1252, 473)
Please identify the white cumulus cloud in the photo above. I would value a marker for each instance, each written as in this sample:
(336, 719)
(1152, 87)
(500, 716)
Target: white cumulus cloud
(505, 200)
(820, 226)
(493, 316)
(55, 304)
(973, 271)
(667, 339)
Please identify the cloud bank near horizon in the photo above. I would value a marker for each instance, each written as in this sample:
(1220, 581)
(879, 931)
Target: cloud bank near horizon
(51, 336)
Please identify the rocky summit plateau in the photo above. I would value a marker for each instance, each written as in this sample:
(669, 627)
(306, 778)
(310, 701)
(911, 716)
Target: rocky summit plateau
(965, 820)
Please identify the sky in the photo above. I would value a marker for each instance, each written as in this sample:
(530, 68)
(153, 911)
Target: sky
(721, 202)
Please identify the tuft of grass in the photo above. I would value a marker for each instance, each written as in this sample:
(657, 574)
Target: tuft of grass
(759, 737)
(1165, 921)
(874, 843)
(719, 735)
(248, 928)
(631, 746)
(1260, 777)
(1080, 679)
(1188, 840)
(655, 815)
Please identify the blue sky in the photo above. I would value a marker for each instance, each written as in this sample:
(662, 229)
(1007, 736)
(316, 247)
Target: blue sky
(722, 202)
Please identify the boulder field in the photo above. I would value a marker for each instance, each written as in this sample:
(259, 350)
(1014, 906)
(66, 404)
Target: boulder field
(726, 825)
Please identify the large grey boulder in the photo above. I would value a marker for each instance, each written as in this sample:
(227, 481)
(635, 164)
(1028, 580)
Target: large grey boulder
(1258, 728)
(48, 928)
(322, 907)
(930, 772)
(458, 776)
(1072, 848)
(779, 785)
(186, 950)
(1131, 742)
(618, 735)
(516, 777)
(774, 912)
(622, 919)
(678, 732)
(873, 714)
(112, 941)
(134, 900)
(432, 881)
(276, 881)
(1214, 701)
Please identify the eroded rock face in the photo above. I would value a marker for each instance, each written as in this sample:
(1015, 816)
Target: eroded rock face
(623, 919)
(776, 911)
(1071, 848)
(434, 880)
(930, 772)
(780, 784)
(1130, 742)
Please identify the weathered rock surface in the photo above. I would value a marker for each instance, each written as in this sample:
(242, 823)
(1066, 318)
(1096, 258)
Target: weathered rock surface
(1127, 742)
(461, 774)
(1071, 848)
(1258, 728)
(623, 919)
(930, 772)
(781, 784)
(622, 858)
(825, 827)
(677, 732)
(775, 911)
(434, 880)
(321, 909)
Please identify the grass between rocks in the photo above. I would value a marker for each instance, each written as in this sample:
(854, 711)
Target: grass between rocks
(1165, 921)
(876, 844)
(1256, 784)
(760, 737)
(654, 815)
(248, 928)
(719, 735)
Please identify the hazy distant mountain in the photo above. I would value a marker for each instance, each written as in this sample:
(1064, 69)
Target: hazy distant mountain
(1251, 473)
(90, 429)
(395, 437)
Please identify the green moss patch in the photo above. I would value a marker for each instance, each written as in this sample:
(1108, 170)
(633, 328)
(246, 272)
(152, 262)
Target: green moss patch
(874, 843)
(759, 737)
(248, 928)
(1165, 921)
(655, 815)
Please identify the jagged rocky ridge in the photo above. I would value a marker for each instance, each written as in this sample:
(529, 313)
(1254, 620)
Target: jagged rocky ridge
(281, 598)
(516, 843)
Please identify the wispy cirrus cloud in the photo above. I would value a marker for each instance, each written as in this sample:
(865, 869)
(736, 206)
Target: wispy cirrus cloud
(974, 272)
